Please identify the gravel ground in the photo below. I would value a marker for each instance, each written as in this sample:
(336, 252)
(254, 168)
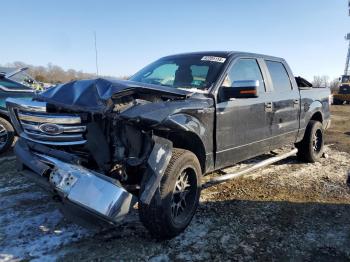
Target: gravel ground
(287, 211)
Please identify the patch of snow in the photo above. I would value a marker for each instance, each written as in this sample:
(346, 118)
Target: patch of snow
(159, 258)
(12, 188)
(26, 238)
(13, 200)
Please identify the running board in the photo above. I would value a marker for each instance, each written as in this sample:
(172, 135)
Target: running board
(226, 177)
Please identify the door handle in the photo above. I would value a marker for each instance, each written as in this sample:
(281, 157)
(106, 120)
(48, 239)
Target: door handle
(296, 102)
(268, 107)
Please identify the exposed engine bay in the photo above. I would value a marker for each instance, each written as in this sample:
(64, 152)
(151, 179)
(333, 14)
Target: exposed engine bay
(116, 146)
(114, 136)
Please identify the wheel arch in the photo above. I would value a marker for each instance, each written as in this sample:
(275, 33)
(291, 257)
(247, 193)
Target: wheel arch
(188, 132)
(317, 116)
(4, 116)
(11, 132)
(314, 116)
(189, 141)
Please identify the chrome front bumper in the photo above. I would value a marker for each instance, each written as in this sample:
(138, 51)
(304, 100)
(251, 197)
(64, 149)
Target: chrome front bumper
(87, 190)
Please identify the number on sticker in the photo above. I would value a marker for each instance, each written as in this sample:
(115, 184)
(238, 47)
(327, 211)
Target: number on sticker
(214, 59)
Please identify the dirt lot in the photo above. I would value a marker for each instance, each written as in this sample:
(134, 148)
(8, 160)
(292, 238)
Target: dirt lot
(288, 211)
(339, 134)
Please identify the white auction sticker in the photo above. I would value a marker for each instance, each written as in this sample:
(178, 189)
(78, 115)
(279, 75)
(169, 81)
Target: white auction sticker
(214, 59)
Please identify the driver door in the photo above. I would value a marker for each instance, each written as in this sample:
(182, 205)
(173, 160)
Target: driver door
(243, 126)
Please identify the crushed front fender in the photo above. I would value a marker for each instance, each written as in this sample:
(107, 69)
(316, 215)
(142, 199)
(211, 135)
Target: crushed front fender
(157, 164)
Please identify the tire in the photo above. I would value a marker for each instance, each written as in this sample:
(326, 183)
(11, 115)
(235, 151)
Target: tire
(167, 215)
(310, 149)
(338, 102)
(7, 135)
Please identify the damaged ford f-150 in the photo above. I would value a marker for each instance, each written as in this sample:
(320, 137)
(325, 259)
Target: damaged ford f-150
(101, 146)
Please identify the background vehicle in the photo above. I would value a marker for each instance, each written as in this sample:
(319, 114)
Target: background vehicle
(343, 95)
(108, 143)
(11, 86)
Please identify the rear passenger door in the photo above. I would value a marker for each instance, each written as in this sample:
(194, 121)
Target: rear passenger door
(285, 105)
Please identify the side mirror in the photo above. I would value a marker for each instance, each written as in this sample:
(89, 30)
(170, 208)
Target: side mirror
(241, 89)
(2, 75)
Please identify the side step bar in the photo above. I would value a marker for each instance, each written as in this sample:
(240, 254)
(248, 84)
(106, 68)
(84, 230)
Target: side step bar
(226, 177)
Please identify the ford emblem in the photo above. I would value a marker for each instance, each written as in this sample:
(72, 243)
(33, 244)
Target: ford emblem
(51, 129)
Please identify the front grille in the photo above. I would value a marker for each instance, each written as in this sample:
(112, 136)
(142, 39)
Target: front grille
(32, 122)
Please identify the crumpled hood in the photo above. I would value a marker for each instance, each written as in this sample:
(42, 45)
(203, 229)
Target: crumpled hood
(96, 95)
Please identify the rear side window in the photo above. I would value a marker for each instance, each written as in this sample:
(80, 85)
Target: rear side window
(279, 75)
(244, 69)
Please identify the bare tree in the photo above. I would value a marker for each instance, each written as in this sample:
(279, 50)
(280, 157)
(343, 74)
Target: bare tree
(321, 81)
(334, 85)
(52, 73)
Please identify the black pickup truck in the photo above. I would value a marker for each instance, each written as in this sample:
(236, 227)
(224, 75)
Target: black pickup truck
(101, 146)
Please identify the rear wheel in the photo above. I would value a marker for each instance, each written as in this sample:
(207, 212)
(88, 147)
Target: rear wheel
(310, 149)
(175, 203)
(7, 135)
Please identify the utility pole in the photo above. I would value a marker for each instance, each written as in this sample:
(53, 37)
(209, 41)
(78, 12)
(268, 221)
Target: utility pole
(346, 70)
(347, 38)
(96, 53)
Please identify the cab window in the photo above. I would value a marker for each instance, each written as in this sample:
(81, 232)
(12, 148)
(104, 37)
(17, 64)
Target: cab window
(279, 76)
(244, 69)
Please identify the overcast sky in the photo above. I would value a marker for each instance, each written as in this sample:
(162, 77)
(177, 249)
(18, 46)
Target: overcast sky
(130, 34)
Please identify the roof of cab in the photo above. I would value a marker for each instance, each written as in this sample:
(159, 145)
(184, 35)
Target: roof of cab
(225, 54)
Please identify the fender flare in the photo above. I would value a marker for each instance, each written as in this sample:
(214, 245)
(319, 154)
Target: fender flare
(191, 135)
(314, 108)
(314, 112)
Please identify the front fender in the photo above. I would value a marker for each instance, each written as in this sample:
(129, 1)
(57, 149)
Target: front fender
(185, 122)
(194, 133)
(157, 164)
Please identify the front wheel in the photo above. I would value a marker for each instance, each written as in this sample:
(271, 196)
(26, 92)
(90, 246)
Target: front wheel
(310, 149)
(175, 202)
(7, 135)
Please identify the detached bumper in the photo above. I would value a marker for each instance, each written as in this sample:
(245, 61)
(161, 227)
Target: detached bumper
(85, 192)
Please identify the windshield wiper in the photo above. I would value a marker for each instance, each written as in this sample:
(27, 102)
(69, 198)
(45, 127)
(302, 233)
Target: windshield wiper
(185, 87)
(193, 89)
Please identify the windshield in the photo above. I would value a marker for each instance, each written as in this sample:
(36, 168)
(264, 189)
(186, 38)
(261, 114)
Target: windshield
(23, 78)
(345, 79)
(189, 71)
